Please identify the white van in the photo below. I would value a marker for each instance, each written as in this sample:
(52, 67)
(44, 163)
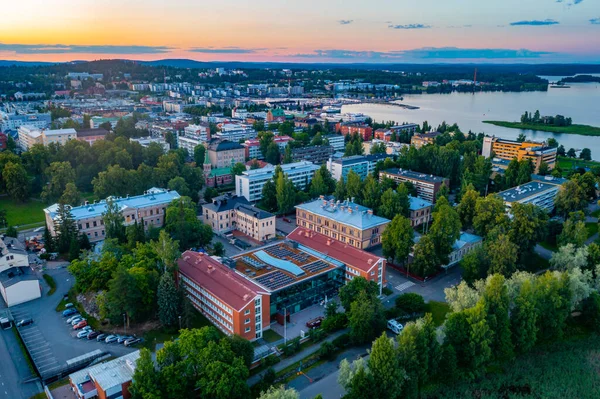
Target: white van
(394, 326)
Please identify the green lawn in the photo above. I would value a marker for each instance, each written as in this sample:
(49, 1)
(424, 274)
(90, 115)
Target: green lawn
(51, 283)
(160, 335)
(18, 214)
(595, 214)
(438, 311)
(548, 246)
(566, 163)
(583, 130)
(271, 336)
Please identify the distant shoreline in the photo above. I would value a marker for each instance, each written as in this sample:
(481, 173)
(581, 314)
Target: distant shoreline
(582, 130)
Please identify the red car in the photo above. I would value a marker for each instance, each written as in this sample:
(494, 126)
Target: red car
(80, 325)
(314, 323)
(287, 220)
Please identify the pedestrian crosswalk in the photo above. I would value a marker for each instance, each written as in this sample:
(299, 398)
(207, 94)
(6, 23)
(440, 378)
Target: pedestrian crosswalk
(404, 286)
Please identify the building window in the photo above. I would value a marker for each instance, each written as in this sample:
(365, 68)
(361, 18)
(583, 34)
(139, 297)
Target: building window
(248, 329)
(247, 312)
(247, 321)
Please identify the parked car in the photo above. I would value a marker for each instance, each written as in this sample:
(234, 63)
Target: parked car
(101, 337)
(123, 338)
(77, 320)
(111, 338)
(24, 322)
(132, 341)
(316, 322)
(68, 305)
(83, 334)
(287, 220)
(87, 328)
(69, 312)
(394, 326)
(93, 334)
(80, 325)
(73, 317)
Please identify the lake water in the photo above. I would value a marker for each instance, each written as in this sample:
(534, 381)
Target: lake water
(581, 102)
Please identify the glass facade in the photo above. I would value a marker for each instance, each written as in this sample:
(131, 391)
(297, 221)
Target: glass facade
(307, 293)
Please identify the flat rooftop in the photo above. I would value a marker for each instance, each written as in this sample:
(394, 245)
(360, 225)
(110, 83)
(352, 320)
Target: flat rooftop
(345, 212)
(280, 265)
(154, 196)
(417, 203)
(414, 175)
(526, 190)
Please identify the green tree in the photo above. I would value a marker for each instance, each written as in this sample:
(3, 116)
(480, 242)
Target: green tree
(67, 229)
(552, 299)
(397, 239)
(497, 303)
(59, 175)
(570, 198)
(183, 225)
(340, 192)
(591, 311)
(586, 154)
(371, 193)
(480, 338)
(574, 230)
(71, 195)
(466, 207)
(388, 375)
(113, 221)
(287, 155)
(354, 186)
(199, 154)
(74, 249)
(489, 213)
(366, 319)
(218, 249)
(169, 306)
(273, 156)
(238, 169)
(265, 140)
(280, 392)
(210, 193)
(503, 255)
(285, 193)
(146, 382)
(16, 182)
(475, 264)
(350, 291)
(528, 226)
(524, 319)
(445, 230)
(425, 258)
(269, 196)
(178, 184)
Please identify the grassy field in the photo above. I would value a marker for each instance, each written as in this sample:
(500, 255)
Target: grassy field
(271, 336)
(160, 335)
(566, 163)
(18, 214)
(564, 369)
(51, 283)
(583, 130)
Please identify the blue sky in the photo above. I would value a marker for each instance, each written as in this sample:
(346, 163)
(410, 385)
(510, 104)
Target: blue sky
(304, 31)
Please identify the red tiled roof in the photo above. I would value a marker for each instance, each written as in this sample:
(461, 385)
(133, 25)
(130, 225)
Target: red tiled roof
(338, 250)
(218, 279)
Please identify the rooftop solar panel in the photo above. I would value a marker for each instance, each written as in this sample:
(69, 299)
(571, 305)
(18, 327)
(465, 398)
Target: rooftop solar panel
(274, 280)
(315, 266)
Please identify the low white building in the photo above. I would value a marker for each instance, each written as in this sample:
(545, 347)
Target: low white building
(250, 183)
(17, 283)
(29, 136)
(146, 141)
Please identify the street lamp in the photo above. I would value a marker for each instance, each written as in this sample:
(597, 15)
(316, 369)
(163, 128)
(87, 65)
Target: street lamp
(180, 322)
(125, 323)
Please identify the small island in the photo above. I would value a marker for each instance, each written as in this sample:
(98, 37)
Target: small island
(580, 79)
(552, 124)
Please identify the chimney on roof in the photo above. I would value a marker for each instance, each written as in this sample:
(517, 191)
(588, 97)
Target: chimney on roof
(352, 199)
(349, 209)
(328, 242)
(86, 203)
(370, 212)
(321, 197)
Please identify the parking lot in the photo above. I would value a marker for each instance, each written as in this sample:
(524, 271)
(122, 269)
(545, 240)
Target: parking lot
(54, 342)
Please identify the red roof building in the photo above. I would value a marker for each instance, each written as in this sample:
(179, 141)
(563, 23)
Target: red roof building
(357, 261)
(231, 302)
(363, 130)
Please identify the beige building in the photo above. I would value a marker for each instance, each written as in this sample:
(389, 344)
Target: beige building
(347, 222)
(225, 154)
(229, 212)
(421, 139)
(148, 209)
(29, 136)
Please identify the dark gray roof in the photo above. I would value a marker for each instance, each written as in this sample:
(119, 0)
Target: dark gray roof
(414, 175)
(15, 275)
(253, 211)
(91, 132)
(13, 246)
(225, 146)
(226, 202)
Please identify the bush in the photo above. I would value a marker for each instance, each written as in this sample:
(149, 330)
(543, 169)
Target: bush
(410, 303)
(342, 341)
(327, 351)
(292, 347)
(335, 322)
(387, 291)
(316, 334)
(51, 283)
(393, 313)
(271, 360)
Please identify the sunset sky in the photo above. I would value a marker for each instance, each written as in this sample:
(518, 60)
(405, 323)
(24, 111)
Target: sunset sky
(303, 30)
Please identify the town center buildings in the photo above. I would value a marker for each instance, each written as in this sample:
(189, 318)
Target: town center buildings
(244, 294)
(507, 150)
(427, 186)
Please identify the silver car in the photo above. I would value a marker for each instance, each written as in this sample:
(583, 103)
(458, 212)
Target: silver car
(83, 333)
(111, 338)
(73, 317)
(77, 321)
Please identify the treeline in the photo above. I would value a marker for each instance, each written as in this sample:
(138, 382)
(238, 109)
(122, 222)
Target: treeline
(115, 166)
(490, 325)
(557, 120)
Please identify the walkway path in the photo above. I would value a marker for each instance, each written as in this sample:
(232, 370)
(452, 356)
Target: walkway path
(298, 356)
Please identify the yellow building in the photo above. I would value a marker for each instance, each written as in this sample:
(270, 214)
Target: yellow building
(508, 150)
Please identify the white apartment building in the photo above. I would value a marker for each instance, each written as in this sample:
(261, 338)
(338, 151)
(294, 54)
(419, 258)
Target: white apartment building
(236, 132)
(146, 141)
(10, 121)
(250, 183)
(337, 141)
(29, 136)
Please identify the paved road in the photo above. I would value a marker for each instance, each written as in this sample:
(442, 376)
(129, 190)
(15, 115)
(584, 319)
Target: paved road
(14, 369)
